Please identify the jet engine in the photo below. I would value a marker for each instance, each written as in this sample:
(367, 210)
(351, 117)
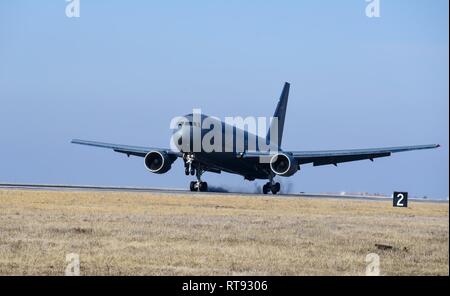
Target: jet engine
(158, 162)
(283, 165)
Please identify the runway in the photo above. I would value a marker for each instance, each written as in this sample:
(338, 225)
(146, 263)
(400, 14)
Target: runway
(61, 187)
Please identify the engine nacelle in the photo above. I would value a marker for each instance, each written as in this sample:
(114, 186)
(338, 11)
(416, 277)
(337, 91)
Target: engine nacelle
(283, 165)
(158, 162)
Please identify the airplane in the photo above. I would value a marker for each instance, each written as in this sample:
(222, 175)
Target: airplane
(245, 162)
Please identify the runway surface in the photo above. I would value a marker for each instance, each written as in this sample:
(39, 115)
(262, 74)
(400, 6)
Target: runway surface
(58, 187)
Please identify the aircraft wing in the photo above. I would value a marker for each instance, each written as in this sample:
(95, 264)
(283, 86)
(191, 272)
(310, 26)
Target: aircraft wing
(338, 156)
(126, 149)
(334, 157)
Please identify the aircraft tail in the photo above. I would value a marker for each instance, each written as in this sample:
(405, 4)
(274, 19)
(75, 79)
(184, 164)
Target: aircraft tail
(280, 113)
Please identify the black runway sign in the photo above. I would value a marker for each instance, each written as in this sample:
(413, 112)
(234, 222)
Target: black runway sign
(400, 199)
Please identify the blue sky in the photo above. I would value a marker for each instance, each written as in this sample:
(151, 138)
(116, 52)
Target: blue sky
(121, 71)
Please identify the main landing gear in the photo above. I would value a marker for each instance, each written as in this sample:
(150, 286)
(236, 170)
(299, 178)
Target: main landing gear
(271, 186)
(198, 185)
(191, 169)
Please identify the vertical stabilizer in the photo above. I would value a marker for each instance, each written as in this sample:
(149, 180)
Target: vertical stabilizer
(280, 113)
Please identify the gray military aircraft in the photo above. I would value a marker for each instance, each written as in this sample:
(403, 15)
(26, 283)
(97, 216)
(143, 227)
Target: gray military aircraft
(243, 159)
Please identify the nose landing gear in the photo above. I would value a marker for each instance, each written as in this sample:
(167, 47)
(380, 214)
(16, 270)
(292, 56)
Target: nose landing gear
(189, 168)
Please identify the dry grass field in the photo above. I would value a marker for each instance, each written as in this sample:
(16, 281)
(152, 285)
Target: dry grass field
(173, 234)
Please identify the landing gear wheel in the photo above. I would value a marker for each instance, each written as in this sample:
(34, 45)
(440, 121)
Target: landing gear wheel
(275, 188)
(192, 186)
(186, 171)
(265, 188)
(203, 186)
(192, 171)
